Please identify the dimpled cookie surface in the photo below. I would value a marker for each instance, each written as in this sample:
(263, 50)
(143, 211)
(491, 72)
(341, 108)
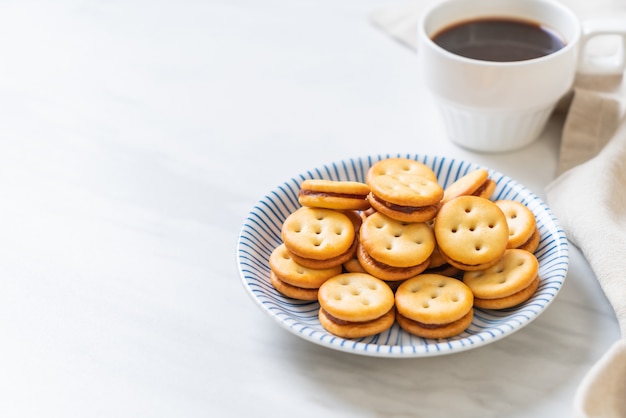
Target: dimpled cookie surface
(317, 233)
(471, 230)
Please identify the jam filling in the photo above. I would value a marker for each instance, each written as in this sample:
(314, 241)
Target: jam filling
(404, 209)
(430, 326)
(480, 189)
(289, 285)
(342, 322)
(382, 266)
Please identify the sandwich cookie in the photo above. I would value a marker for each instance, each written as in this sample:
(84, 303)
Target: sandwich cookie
(471, 232)
(296, 281)
(513, 280)
(319, 238)
(394, 250)
(474, 183)
(434, 306)
(340, 195)
(404, 189)
(523, 231)
(355, 305)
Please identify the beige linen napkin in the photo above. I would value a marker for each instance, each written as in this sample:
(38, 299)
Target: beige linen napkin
(588, 197)
(590, 202)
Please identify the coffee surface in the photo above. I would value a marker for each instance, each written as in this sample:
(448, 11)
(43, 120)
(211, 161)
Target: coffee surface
(501, 40)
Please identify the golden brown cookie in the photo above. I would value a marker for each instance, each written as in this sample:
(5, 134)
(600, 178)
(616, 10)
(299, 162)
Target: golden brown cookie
(474, 183)
(296, 281)
(356, 305)
(487, 189)
(510, 282)
(330, 194)
(434, 306)
(404, 189)
(397, 243)
(508, 301)
(318, 237)
(394, 250)
(400, 166)
(471, 232)
(523, 232)
(384, 271)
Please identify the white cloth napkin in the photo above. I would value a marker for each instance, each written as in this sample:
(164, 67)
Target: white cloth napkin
(588, 197)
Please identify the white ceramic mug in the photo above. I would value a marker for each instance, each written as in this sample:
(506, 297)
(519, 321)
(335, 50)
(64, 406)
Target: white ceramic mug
(494, 106)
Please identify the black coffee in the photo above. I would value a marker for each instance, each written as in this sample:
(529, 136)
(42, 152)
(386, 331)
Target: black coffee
(500, 40)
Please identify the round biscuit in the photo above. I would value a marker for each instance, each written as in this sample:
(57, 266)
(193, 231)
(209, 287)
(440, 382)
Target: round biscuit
(283, 265)
(433, 299)
(520, 220)
(328, 262)
(514, 272)
(386, 272)
(404, 213)
(509, 301)
(465, 185)
(399, 165)
(435, 332)
(290, 291)
(331, 194)
(396, 243)
(404, 182)
(406, 189)
(355, 297)
(317, 233)
(470, 267)
(471, 231)
(356, 329)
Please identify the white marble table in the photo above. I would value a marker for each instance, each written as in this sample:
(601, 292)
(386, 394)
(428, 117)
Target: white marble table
(134, 138)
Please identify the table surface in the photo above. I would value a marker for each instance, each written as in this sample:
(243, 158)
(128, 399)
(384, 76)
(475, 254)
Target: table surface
(135, 137)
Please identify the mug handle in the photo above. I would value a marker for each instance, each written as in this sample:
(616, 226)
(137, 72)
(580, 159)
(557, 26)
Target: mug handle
(613, 63)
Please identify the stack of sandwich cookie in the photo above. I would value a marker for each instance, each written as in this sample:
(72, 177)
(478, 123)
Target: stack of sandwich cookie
(434, 306)
(513, 280)
(471, 232)
(393, 250)
(356, 305)
(319, 238)
(474, 183)
(330, 194)
(294, 280)
(404, 190)
(523, 231)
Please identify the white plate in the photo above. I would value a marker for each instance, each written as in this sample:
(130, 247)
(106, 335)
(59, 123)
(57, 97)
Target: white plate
(260, 234)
